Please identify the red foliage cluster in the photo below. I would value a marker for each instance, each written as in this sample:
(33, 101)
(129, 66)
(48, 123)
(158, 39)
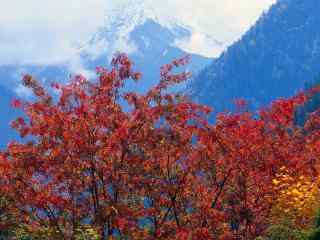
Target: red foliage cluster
(156, 171)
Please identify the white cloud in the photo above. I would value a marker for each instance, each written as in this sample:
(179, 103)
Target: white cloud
(75, 65)
(202, 44)
(47, 31)
(221, 20)
(23, 91)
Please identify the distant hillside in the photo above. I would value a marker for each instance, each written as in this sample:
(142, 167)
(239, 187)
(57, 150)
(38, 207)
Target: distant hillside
(273, 59)
(312, 105)
(7, 114)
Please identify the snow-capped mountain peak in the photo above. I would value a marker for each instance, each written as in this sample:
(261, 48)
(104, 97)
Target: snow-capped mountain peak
(127, 16)
(121, 22)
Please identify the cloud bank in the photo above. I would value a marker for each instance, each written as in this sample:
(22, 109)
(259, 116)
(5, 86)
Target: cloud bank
(222, 20)
(46, 32)
(49, 32)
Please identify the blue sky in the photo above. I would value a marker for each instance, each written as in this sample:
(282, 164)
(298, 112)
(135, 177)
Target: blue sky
(47, 31)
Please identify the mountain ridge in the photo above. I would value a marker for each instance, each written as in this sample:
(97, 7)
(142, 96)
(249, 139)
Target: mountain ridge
(273, 59)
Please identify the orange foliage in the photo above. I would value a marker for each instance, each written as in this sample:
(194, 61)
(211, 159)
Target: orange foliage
(298, 198)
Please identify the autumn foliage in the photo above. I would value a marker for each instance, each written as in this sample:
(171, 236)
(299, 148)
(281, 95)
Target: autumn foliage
(298, 198)
(156, 169)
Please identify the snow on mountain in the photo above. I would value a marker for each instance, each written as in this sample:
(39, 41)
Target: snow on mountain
(121, 21)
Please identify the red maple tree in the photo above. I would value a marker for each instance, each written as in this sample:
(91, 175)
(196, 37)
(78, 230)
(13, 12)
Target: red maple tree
(154, 170)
